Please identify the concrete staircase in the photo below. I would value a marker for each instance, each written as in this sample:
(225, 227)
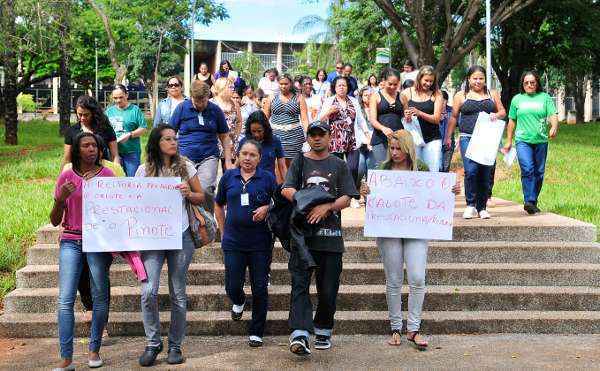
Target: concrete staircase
(512, 273)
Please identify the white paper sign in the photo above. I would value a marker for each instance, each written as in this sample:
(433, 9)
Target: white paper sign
(483, 146)
(131, 214)
(410, 204)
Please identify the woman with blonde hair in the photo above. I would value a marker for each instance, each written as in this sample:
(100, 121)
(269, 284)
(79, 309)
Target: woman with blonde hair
(425, 102)
(396, 252)
(222, 91)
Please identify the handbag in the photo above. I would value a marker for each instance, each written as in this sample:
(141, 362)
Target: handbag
(203, 226)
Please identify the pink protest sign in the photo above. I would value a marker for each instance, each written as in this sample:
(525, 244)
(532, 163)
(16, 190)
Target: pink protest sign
(410, 204)
(131, 214)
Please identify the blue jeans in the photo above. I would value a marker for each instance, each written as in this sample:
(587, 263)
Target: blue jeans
(532, 160)
(379, 152)
(69, 271)
(130, 162)
(477, 178)
(178, 262)
(366, 161)
(235, 274)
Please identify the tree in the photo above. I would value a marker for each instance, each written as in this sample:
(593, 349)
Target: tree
(64, 90)
(29, 40)
(329, 31)
(120, 68)
(522, 43)
(249, 66)
(9, 61)
(424, 24)
(362, 26)
(147, 39)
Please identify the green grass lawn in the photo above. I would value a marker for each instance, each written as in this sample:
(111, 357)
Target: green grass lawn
(28, 172)
(572, 179)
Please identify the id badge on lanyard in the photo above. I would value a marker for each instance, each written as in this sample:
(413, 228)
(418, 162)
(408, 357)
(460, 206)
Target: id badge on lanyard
(244, 197)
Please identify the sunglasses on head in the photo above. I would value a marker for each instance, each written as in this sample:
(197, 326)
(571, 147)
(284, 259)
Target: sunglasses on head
(173, 85)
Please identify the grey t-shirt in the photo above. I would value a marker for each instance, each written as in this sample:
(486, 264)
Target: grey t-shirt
(333, 175)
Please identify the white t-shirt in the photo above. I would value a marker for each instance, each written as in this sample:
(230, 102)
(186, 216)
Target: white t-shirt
(412, 75)
(314, 104)
(321, 88)
(268, 87)
(191, 170)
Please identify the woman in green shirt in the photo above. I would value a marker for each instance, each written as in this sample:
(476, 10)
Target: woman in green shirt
(129, 124)
(528, 116)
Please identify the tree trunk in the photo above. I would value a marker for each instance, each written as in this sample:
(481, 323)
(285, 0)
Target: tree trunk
(153, 85)
(120, 68)
(1, 101)
(578, 87)
(64, 90)
(9, 60)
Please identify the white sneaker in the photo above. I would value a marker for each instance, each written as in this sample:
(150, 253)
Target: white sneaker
(470, 212)
(483, 214)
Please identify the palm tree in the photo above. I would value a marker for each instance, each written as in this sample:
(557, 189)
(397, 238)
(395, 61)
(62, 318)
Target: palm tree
(327, 32)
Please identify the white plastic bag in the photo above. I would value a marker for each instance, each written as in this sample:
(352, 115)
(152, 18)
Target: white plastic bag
(483, 146)
(509, 158)
(414, 129)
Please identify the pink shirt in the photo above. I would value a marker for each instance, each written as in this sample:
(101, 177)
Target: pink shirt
(72, 219)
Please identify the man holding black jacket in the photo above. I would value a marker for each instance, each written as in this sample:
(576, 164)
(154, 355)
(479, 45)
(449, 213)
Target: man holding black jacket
(326, 245)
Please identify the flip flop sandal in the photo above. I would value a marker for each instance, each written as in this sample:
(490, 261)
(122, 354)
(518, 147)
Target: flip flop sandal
(420, 345)
(395, 332)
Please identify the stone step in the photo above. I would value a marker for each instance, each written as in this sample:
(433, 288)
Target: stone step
(439, 252)
(353, 322)
(521, 274)
(358, 298)
(545, 228)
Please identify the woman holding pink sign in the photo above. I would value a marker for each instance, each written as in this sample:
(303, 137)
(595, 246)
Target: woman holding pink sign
(163, 160)
(396, 252)
(85, 156)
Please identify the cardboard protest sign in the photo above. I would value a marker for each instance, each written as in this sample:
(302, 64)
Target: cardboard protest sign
(131, 214)
(410, 204)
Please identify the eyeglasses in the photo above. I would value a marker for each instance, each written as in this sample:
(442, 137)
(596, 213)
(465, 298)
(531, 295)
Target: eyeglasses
(169, 139)
(533, 83)
(173, 85)
(338, 67)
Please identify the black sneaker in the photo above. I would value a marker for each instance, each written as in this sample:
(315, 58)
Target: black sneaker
(322, 342)
(536, 209)
(148, 358)
(175, 357)
(299, 346)
(530, 208)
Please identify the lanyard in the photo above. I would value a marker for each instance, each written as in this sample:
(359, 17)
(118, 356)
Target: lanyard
(244, 184)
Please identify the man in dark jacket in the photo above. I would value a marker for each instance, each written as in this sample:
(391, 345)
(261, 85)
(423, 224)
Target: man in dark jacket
(325, 244)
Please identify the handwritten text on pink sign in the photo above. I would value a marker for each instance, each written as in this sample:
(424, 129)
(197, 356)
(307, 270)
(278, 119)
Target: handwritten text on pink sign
(129, 214)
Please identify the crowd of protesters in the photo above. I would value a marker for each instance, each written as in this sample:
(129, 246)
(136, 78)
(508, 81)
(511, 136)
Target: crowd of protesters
(294, 138)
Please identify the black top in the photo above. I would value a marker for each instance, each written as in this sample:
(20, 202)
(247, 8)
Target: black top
(430, 131)
(107, 133)
(332, 174)
(390, 116)
(470, 111)
(208, 81)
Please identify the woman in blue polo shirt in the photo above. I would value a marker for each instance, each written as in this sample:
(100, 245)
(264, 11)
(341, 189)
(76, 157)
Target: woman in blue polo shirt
(246, 192)
(199, 125)
(272, 157)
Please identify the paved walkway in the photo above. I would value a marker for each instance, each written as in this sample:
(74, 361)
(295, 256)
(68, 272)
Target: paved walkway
(479, 352)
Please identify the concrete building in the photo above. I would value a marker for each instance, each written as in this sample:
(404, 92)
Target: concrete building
(278, 54)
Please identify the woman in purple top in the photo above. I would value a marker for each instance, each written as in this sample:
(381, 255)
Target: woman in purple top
(67, 210)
